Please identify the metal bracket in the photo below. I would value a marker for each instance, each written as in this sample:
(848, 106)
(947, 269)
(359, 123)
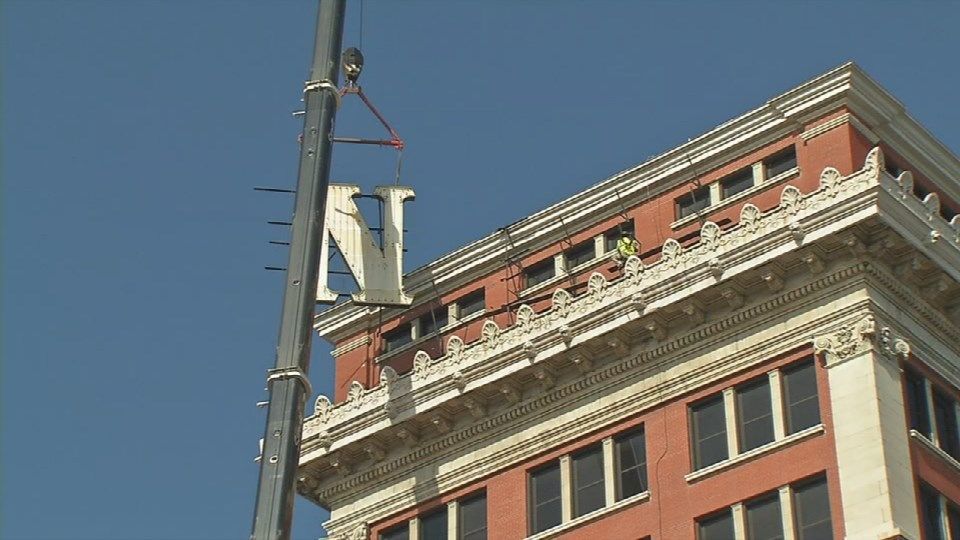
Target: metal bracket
(323, 85)
(290, 373)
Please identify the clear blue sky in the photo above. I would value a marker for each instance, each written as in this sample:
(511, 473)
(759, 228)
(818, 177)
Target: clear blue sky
(137, 319)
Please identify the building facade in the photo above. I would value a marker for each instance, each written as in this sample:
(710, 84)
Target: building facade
(780, 360)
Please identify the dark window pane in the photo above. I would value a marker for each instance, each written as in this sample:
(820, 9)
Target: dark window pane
(396, 338)
(763, 519)
(811, 503)
(930, 513)
(400, 532)
(580, 254)
(588, 487)
(709, 433)
(917, 403)
(737, 182)
(953, 517)
(717, 527)
(920, 191)
(781, 163)
(433, 321)
(946, 414)
(471, 303)
(632, 464)
(473, 518)
(800, 395)
(538, 273)
(546, 498)
(892, 168)
(611, 237)
(754, 414)
(947, 211)
(433, 526)
(693, 202)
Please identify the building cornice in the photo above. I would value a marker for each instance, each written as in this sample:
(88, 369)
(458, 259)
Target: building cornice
(846, 85)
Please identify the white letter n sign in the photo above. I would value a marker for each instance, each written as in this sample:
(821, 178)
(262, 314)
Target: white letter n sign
(378, 273)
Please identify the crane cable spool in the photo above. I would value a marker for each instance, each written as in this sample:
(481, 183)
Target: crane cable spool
(351, 62)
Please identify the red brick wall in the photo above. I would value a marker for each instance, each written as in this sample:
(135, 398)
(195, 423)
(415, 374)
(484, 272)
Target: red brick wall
(842, 148)
(674, 504)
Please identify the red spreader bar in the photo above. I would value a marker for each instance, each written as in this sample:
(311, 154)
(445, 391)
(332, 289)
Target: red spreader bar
(395, 141)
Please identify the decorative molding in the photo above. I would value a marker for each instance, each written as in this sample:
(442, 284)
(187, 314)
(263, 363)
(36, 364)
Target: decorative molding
(676, 266)
(588, 390)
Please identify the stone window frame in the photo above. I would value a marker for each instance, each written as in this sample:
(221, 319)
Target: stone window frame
(785, 494)
(781, 439)
(933, 441)
(453, 517)
(610, 485)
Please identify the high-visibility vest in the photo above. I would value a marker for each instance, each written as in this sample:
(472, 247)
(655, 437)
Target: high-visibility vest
(627, 247)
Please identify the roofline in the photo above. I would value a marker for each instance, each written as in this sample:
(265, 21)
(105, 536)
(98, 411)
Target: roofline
(845, 85)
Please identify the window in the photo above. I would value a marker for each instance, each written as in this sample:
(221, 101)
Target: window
(953, 517)
(400, 532)
(800, 397)
(945, 415)
(472, 518)
(545, 497)
(396, 338)
(538, 273)
(736, 183)
(811, 504)
(693, 202)
(433, 526)
(709, 432)
(716, 527)
(433, 321)
(754, 414)
(612, 236)
(920, 191)
(948, 212)
(631, 464)
(917, 403)
(930, 513)
(763, 518)
(580, 254)
(781, 162)
(588, 487)
(471, 303)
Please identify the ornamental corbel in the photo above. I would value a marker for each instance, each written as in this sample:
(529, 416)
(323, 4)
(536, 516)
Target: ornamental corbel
(441, 422)
(733, 296)
(891, 345)
(618, 344)
(580, 361)
(813, 261)
(339, 464)
(510, 392)
(375, 451)
(474, 407)
(773, 279)
(545, 376)
(408, 436)
(695, 312)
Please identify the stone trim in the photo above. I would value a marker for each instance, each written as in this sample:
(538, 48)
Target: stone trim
(586, 518)
(932, 446)
(351, 345)
(843, 119)
(752, 454)
(657, 285)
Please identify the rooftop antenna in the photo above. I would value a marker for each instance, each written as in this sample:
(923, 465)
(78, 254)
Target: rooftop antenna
(287, 383)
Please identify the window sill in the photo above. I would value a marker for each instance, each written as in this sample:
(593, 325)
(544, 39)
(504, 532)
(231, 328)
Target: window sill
(697, 216)
(924, 441)
(563, 527)
(750, 454)
(452, 326)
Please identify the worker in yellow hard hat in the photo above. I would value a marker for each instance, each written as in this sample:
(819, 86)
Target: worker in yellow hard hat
(627, 245)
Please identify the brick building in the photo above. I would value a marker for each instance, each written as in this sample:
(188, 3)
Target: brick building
(782, 359)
